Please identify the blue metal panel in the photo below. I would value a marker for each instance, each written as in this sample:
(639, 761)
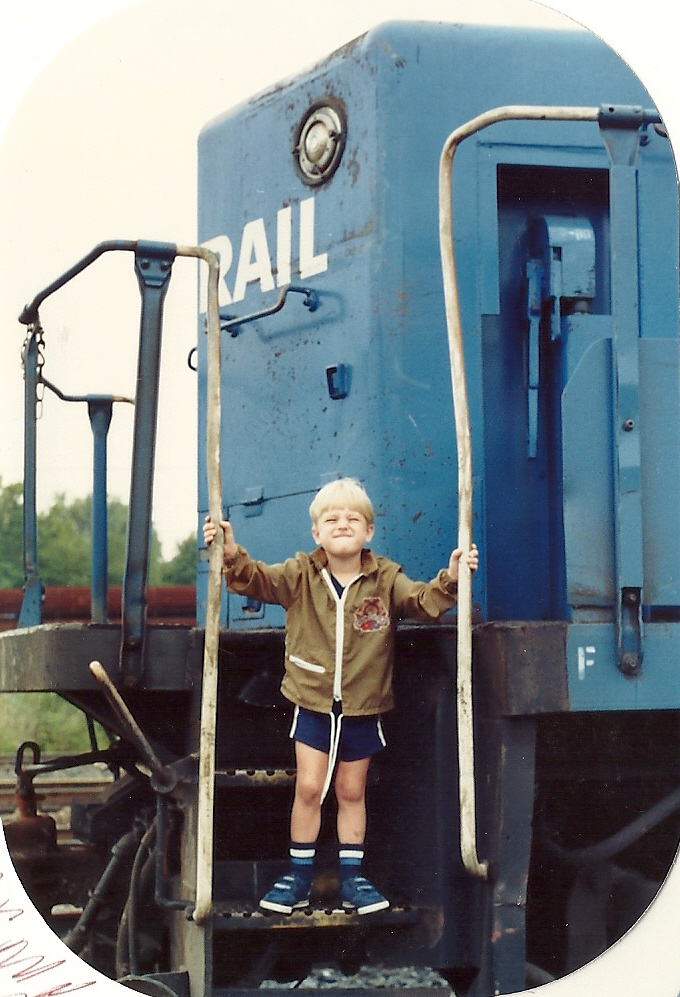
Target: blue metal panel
(659, 366)
(588, 471)
(276, 527)
(595, 680)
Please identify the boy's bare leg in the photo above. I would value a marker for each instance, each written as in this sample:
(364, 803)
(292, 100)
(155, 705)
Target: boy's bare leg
(356, 892)
(350, 792)
(305, 818)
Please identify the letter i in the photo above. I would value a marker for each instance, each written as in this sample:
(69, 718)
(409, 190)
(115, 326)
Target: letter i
(284, 227)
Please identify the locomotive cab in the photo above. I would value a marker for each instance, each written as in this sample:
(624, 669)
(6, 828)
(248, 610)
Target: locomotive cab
(567, 333)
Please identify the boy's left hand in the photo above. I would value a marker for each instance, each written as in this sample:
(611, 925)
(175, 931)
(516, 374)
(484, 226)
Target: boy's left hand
(472, 561)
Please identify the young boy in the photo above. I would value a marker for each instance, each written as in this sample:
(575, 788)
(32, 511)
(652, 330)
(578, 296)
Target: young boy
(342, 603)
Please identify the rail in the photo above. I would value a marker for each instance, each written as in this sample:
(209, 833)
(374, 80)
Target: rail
(153, 265)
(100, 411)
(55, 791)
(206, 758)
(608, 116)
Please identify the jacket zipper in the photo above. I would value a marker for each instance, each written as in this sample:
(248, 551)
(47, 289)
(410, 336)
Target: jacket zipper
(339, 629)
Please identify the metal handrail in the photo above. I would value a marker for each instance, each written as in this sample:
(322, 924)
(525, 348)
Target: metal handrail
(100, 411)
(206, 774)
(466, 754)
(206, 758)
(607, 116)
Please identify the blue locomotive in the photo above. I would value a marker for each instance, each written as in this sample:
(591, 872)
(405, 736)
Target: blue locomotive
(322, 199)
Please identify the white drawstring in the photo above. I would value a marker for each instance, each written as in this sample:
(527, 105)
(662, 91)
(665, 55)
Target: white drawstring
(336, 729)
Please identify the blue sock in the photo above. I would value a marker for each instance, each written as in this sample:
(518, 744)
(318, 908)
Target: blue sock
(351, 857)
(302, 859)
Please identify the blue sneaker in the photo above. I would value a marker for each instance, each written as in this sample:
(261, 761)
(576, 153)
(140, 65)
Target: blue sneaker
(289, 893)
(358, 894)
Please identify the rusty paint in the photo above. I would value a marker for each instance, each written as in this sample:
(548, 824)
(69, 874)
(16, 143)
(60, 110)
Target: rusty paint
(166, 604)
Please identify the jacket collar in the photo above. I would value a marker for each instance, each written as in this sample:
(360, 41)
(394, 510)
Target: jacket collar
(369, 564)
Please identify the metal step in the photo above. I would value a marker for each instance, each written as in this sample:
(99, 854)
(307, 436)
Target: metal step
(341, 992)
(243, 917)
(254, 778)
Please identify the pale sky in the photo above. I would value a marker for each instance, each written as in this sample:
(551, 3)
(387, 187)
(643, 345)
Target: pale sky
(101, 102)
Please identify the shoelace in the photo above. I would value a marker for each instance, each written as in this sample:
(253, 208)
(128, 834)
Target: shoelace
(287, 881)
(360, 883)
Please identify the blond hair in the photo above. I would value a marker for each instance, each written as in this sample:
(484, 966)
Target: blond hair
(344, 493)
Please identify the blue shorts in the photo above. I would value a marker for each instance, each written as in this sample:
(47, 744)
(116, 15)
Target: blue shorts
(360, 737)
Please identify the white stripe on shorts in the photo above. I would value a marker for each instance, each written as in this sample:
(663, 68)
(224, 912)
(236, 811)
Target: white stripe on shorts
(296, 714)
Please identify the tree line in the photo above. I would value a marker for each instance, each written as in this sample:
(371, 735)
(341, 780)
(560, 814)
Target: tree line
(65, 544)
(64, 549)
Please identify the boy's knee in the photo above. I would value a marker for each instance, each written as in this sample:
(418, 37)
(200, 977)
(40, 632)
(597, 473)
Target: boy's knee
(349, 789)
(308, 791)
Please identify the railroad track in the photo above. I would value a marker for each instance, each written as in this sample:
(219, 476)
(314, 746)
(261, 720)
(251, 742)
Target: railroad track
(55, 790)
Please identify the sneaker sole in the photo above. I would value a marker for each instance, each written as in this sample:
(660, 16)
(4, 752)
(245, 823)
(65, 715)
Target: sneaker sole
(283, 908)
(368, 909)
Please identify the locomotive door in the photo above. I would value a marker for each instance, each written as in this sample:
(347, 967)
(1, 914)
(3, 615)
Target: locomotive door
(573, 357)
(552, 237)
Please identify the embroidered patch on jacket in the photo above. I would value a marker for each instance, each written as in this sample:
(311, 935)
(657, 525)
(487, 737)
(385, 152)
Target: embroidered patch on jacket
(371, 614)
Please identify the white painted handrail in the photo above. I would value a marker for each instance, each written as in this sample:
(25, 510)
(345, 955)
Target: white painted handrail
(466, 754)
(206, 758)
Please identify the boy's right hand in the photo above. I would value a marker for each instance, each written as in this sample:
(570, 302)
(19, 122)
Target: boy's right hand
(210, 532)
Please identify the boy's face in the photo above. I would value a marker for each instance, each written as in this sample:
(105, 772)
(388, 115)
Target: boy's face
(342, 532)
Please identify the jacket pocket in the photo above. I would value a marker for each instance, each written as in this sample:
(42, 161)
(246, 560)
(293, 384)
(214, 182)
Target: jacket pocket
(307, 665)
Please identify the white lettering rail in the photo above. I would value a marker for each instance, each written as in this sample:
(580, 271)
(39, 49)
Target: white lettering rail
(256, 264)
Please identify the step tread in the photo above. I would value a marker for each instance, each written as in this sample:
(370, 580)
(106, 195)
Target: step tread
(254, 777)
(244, 917)
(342, 992)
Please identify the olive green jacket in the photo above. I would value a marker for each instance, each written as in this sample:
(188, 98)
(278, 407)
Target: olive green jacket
(340, 647)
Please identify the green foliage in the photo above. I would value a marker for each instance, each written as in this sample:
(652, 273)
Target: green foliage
(64, 544)
(44, 717)
(11, 529)
(181, 569)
